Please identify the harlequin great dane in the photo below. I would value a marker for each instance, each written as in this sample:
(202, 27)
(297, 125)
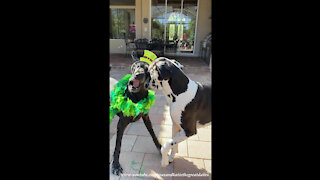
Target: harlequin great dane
(189, 102)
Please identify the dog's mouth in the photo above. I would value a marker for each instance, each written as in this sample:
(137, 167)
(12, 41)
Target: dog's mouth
(134, 84)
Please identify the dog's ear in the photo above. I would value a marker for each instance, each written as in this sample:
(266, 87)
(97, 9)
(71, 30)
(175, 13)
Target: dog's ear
(164, 71)
(133, 67)
(146, 82)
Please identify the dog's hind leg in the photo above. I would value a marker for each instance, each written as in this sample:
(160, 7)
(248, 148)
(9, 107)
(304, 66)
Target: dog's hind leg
(169, 144)
(122, 124)
(175, 131)
(148, 125)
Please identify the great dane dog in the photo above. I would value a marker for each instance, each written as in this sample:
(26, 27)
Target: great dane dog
(136, 91)
(189, 102)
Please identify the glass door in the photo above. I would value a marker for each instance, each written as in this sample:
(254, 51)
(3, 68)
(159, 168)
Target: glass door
(189, 18)
(175, 22)
(158, 19)
(173, 26)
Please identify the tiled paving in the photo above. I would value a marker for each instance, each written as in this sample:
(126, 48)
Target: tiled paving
(194, 154)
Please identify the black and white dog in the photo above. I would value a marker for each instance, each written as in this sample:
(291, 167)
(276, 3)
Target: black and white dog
(136, 91)
(189, 102)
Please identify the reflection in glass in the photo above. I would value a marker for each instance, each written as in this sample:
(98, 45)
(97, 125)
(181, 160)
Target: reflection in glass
(122, 24)
(157, 19)
(189, 17)
(175, 24)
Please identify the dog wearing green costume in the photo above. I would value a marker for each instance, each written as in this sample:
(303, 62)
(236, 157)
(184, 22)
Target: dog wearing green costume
(130, 100)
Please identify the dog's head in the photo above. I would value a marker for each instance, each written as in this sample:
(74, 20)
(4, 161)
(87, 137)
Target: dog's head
(161, 71)
(140, 76)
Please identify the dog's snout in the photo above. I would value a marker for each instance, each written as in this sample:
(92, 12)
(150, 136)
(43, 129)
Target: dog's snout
(139, 76)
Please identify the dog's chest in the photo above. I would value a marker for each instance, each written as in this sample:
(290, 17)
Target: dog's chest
(137, 118)
(181, 101)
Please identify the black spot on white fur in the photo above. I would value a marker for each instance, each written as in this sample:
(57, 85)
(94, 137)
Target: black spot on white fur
(173, 98)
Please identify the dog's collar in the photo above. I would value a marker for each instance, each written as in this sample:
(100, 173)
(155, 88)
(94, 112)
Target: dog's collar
(119, 102)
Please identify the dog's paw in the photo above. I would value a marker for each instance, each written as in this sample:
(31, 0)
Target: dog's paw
(164, 160)
(171, 157)
(116, 169)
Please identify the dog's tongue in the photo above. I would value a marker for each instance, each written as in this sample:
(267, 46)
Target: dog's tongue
(135, 84)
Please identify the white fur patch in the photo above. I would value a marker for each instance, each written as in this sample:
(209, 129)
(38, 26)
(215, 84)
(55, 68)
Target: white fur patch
(182, 100)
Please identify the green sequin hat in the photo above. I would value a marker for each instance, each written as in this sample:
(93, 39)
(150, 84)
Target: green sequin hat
(148, 57)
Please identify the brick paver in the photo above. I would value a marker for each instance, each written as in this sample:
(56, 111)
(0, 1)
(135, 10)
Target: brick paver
(199, 149)
(151, 162)
(126, 145)
(207, 165)
(194, 154)
(189, 166)
(126, 159)
(204, 134)
(146, 145)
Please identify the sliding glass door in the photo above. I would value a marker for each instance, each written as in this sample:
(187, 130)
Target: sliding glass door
(175, 22)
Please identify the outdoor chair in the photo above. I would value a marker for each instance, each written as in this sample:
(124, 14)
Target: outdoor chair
(157, 46)
(129, 48)
(141, 45)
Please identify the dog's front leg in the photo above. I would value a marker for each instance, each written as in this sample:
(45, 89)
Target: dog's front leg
(122, 124)
(175, 131)
(147, 123)
(169, 144)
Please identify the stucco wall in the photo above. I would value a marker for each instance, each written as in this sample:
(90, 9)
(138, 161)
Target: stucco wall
(142, 11)
(204, 22)
(117, 46)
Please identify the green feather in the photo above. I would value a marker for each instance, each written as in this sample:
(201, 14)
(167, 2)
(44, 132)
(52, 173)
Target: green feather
(119, 101)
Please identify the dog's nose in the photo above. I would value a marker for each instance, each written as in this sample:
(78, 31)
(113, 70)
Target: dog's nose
(139, 76)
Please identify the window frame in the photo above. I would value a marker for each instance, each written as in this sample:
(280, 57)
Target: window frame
(135, 2)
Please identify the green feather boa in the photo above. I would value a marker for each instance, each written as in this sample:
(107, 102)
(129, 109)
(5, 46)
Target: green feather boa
(120, 102)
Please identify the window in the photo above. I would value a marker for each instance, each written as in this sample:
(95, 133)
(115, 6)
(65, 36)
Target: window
(174, 21)
(122, 24)
(158, 19)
